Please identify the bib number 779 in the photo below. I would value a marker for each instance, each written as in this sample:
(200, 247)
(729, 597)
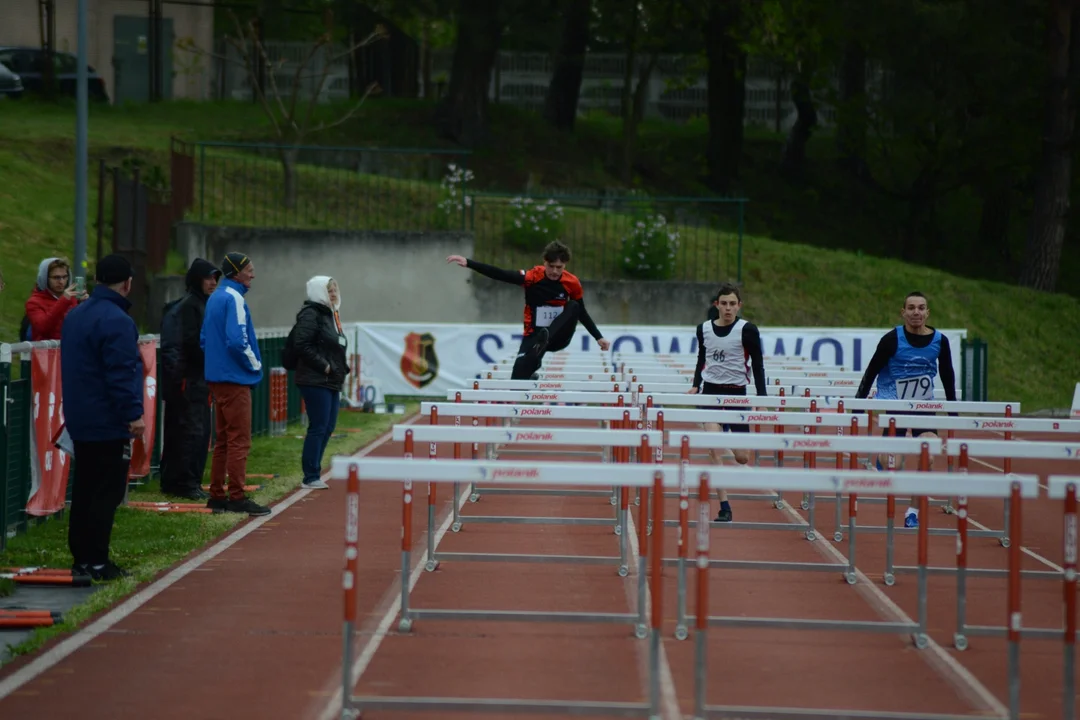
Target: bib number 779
(915, 388)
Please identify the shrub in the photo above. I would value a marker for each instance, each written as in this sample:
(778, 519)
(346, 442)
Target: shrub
(533, 224)
(648, 252)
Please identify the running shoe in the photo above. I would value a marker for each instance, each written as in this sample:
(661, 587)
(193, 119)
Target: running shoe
(911, 520)
(724, 516)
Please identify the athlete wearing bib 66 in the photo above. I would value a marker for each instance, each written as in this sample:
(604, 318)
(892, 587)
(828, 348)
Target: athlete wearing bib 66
(728, 349)
(907, 360)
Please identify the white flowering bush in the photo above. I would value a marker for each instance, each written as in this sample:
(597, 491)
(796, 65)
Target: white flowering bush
(454, 199)
(648, 251)
(532, 224)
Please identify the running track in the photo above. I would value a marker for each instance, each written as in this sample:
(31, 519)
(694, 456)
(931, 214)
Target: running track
(255, 630)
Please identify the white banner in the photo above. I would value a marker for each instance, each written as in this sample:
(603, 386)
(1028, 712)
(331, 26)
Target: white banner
(430, 358)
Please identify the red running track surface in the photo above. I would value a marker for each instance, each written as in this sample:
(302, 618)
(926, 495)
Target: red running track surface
(256, 632)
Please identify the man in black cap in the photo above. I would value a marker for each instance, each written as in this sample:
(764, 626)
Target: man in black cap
(184, 388)
(232, 367)
(101, 373)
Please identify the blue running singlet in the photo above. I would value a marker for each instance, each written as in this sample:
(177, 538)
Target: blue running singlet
(910, 373)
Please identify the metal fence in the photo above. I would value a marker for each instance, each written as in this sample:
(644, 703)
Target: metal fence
(16, 397)
(637, 237)
(421, 190)
(303, 186)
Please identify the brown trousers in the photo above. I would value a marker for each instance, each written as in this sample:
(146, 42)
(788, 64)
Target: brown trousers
(232, 422)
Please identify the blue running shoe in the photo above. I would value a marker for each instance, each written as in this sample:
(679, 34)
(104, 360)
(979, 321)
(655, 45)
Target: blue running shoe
(911, 520)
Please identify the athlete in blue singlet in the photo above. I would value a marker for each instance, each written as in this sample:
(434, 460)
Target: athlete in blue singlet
(907, 360)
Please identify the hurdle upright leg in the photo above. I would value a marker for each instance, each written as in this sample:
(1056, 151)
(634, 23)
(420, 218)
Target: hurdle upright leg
(657, 594)
(405, 623)
(1069, 700)
(349, 577)
(701, 621)
(641, 631)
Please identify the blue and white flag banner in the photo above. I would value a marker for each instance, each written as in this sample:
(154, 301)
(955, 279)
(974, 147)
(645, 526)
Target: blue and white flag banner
(428, 359)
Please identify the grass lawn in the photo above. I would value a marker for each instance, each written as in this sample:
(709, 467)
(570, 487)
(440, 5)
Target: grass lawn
(147, 543)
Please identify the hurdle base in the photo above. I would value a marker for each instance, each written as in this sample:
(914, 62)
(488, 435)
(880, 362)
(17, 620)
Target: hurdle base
(498, 705)
(807, 624)
(526, 520)
(522, 615)
(767, 565)
(1028, 633)
(978, 572)
(485, 490)
(802, 527)
(522, 558)
(735, 711)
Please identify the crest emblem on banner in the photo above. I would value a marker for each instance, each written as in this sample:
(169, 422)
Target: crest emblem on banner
(419, 363)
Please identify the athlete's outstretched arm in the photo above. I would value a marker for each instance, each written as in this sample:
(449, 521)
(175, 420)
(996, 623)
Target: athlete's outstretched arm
(751, 338)
(514, 277)
(886, 348)
(587, 321)
(945, 369)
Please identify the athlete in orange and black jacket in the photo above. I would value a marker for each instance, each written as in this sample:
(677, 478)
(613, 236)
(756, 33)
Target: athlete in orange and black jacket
(553, 306)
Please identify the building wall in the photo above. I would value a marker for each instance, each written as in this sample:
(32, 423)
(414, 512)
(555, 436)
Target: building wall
(404, 277)
(191, 80)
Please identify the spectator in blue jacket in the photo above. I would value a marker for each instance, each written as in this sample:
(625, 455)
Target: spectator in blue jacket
(232, 367)
(102, 382)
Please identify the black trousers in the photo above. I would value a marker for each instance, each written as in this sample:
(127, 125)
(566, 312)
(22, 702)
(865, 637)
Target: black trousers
(101, 476)
(186, 438)
(558, 337)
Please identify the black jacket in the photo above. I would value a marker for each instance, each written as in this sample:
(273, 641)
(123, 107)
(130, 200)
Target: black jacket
(318, 344)
(181, 356)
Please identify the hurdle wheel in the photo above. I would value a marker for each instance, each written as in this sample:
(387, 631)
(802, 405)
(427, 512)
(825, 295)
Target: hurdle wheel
(960, 642)
(811, 535)
(474, 498)
(838, 536)
(405, 625)
(430, 565)
(456, 527)
(921, 641)
(804, 505)
(618, 529)
(641, 632)
(889, 579)
(850, 577)
(681, 633)
(1005, 542)
(779, 504)
(623, 571)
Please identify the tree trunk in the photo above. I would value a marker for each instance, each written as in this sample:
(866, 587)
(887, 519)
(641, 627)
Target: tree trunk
(634, 118)
(726, 94)
(425, 57)
(920, 221)
(851, 118)
(794, 160)
(462, 115)
(288, 171)
(1042, 261)
(996, 196)
(561, 103)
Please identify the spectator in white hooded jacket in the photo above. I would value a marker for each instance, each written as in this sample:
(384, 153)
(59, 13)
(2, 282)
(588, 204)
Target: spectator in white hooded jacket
(321, 368)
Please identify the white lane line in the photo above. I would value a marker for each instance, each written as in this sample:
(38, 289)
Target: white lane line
(49, 659)
(390, 610)
(669, 700)
(1030, 553)
(946, 665)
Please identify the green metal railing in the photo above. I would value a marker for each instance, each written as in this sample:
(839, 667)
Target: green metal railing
(974, 375)
(690, 239)
(16, 397)
(407, 189)
(324, 187)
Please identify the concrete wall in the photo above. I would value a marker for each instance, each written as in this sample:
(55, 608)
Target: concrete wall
(191, 74)
(403, 277)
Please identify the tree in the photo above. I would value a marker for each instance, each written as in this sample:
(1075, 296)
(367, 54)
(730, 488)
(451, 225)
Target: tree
(564, 89)
(462, 115)
(291, 115)
(1049, 218)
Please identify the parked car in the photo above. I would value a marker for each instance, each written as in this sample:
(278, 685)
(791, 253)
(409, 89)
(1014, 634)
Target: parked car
(29, 64)
(10, 83)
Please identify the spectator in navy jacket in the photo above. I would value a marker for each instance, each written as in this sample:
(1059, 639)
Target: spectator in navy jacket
(102, 379)
(232, 367)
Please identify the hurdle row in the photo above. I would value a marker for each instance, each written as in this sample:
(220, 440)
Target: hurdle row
(778, 404)
(644, 475)
(644, 442)
(634, 383)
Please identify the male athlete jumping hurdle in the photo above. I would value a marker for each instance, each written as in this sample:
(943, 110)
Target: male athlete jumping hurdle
(553, 305)
(906, 361)
(728, 347)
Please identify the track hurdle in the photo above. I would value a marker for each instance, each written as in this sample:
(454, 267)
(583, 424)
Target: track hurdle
(919, 485)
(623, 439)
(1065, 487)
(367, 469)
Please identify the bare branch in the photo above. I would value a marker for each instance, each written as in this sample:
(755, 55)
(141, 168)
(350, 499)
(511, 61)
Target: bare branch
(323, 40)
(378, 34)
(372, 88)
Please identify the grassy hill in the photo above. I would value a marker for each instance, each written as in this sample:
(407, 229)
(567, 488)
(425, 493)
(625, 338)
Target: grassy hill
(788, 280)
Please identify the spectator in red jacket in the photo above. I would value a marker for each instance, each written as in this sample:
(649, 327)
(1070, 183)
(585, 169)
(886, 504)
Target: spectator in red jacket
(52, 299)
